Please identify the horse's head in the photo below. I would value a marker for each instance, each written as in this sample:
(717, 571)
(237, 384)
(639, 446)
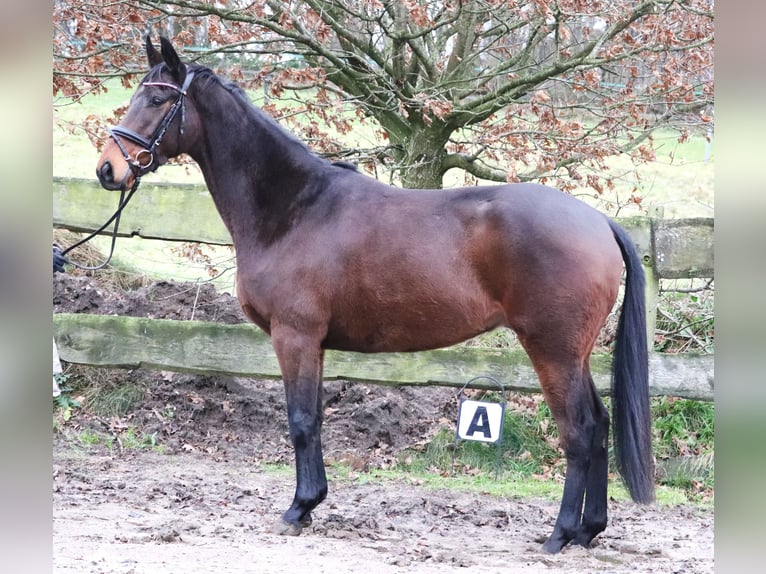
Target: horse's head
(155, 127)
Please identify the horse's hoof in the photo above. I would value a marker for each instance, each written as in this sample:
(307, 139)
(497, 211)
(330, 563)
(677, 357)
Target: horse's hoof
(285, 528)
(583, 541)
(552, 546)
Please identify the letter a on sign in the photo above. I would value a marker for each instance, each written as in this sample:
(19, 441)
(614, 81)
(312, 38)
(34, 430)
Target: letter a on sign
(480, 421)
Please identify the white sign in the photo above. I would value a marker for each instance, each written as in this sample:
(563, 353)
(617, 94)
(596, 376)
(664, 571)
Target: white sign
(56, 369)
(477, 420)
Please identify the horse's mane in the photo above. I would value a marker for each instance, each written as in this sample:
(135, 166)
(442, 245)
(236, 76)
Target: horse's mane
(205, 78)
(208, 77)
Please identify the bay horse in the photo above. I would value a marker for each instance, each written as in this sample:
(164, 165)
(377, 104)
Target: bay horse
(329, 258)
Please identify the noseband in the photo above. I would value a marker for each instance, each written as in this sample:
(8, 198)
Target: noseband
(145, 157)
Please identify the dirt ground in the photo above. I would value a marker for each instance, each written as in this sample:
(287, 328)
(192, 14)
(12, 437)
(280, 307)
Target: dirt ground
(204, 501)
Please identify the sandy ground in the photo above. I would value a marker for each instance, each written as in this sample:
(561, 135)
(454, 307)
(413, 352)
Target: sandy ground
(154, 513)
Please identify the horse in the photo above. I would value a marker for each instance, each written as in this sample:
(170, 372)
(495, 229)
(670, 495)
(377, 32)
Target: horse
(330, 258)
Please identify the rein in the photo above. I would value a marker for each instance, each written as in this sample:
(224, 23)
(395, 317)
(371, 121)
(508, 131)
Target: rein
(115, 217)
(139, 165)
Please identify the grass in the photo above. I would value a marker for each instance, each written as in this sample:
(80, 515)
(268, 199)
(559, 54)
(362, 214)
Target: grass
(683, 447)
(108, 397)
(679, 181)
(530, 464)
(102, 391)
(128, 439)
(143, 259)
(105, 400)
(508, 486)
(683, 427)
(524, 450)
(116, 401)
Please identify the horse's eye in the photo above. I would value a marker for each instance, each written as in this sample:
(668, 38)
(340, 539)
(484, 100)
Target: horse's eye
(157, 100)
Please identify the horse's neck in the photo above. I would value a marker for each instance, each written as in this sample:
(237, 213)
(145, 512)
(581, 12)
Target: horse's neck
(254, 170)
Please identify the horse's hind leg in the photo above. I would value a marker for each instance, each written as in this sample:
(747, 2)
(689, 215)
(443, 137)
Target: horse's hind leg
(583, 425)
(569, 402)
(595, 513)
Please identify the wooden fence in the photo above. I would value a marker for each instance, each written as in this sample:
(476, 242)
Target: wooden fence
(681, 248)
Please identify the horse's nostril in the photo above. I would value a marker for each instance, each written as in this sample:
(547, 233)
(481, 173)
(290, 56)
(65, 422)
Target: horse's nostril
(106, 174)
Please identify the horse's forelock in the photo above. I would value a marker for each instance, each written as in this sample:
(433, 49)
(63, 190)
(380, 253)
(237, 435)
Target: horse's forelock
(161, 71)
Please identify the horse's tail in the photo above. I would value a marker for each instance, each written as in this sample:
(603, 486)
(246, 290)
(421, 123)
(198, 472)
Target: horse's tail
(631, 415)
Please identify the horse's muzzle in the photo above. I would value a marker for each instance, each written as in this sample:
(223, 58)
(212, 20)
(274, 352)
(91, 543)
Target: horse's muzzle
(106, 177)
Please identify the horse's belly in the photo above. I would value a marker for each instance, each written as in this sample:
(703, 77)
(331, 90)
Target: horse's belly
(411, 328)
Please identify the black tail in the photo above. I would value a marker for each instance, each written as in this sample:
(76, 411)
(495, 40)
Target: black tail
(631, 416)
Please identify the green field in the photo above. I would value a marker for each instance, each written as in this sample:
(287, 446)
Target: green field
(680, 180)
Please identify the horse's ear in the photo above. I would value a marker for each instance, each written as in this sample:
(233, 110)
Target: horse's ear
(176, 67)
(152, 54)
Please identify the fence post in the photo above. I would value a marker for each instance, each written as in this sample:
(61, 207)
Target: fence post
(652, 279)
(641, 229)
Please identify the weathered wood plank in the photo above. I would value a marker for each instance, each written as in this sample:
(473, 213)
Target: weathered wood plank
(640, 231)
(244, 350)
(683, 248)
(157, 211)
(675, 248)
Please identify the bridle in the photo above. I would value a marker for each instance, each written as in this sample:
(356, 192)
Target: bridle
(139, 164)
(144, 158)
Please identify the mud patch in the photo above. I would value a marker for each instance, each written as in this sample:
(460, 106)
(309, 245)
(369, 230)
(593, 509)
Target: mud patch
(366, 426)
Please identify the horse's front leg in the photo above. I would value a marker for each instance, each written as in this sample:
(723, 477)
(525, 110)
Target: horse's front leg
(300, 359)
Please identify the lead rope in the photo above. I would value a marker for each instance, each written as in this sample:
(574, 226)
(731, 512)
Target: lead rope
(58, 252)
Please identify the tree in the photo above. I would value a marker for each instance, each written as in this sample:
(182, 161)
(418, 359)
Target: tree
(504, 90)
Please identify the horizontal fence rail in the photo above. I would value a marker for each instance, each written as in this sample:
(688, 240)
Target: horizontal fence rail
(682, 247)
(672, 249)
(244, 350)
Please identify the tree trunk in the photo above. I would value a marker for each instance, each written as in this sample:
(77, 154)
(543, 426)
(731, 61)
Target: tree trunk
(421, 161)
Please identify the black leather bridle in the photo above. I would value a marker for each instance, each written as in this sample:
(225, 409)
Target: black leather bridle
(144, 158)
(140, 164)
